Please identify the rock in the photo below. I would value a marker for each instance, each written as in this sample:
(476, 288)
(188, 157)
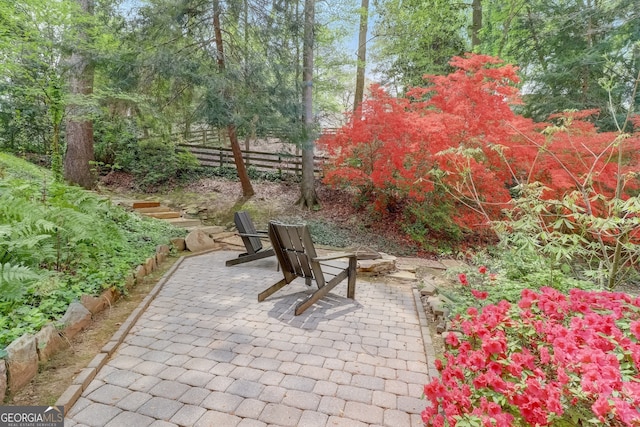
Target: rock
(3, 380)
(129, 282)
(111, 295)
(383, 265)
(75, 319)
(428, 289)
(224, 235)
(436, 305)
(48, 341)
(192, 210)
(150, 265)
(211, 230)
(22, 362)
(160, 258)
(404, 276)
(163, 249)
(363, 252)
(407, 267)
(93, 304)
(179, 244)
(140, 272)
(198, 241)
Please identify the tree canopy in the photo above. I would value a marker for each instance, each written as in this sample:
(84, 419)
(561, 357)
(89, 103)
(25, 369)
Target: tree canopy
(155, 64)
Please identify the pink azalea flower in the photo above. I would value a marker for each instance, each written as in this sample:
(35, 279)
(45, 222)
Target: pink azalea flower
(463, 279)
(479, 294)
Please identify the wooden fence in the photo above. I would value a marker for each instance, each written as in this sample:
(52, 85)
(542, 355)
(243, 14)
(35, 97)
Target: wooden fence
(218, 137)
(204, 137)
(282, 163)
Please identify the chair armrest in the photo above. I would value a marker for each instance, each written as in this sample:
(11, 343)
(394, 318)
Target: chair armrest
(335, 256)
(252, 235)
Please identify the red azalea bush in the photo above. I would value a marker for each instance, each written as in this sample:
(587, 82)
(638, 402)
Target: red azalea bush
(552, 359)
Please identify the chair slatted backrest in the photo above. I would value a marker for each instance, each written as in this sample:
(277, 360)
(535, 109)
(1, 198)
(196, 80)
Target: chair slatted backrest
(245, 226)
(295, 251)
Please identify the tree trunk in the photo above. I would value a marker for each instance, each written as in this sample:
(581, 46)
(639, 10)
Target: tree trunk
(308, 197)
(476, 23)
(247, 188)
(79, 129)
(362, 54)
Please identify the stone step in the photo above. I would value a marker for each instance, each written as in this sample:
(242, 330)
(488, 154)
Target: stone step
(404, 276)
(144, 204)
(184, 223)
(154, 209)
(163, 215)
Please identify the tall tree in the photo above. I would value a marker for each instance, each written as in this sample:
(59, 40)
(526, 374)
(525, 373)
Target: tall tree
(416, 37)
(247, 188)
(362, 54)
(476, 23)
(573, 54)
(32, 92)
(79, 127)
(308, 197)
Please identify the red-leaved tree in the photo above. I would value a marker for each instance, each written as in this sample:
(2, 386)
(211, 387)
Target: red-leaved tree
(459, 135)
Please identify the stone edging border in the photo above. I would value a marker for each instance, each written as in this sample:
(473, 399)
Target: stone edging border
(26, 352)
(426, 334)
(86, 375)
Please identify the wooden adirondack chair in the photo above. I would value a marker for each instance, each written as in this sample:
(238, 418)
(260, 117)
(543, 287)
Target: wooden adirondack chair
(298, 258)
(251, 239)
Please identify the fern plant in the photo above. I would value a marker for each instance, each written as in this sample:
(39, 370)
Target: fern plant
(14, 279)
(59, 242)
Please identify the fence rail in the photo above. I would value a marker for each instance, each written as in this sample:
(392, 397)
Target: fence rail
(218, 137)
(282, 163)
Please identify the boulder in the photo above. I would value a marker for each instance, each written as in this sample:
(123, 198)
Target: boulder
(3, 380)
(211, 230)
(94, 304)
(111, 295)
(163, 249)
(384, 264)
(150, 265)
(178, 243)
(198, 241)
(140, 272)
(162, 252)
(160, 258)
(48, 341)
(75, 319)
(22, 362)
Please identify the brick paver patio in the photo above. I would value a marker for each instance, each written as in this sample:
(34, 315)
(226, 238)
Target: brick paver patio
(206, 353)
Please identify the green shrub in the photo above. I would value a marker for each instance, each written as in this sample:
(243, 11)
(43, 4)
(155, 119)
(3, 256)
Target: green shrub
(58, 242)
(429, 223)
(504, 273)
(155, 162)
